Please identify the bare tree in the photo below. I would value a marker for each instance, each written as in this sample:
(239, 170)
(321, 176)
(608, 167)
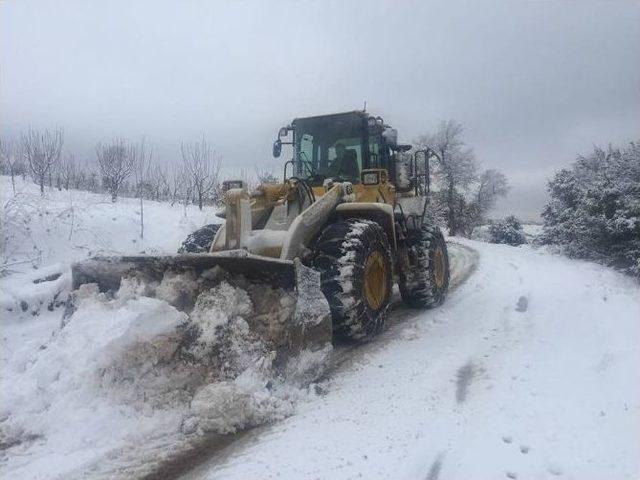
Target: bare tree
(11, 157)
(142, 164)
(116, 162)
(176, 181)
(42, 151)
(203, 169)
(157, 180)
(80, 178)
(492, 184)
(265, 175)
(181, 185)
(92, 182)
(457, 165)
(68, 171)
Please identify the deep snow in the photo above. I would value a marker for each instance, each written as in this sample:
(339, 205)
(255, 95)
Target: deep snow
(529, 370)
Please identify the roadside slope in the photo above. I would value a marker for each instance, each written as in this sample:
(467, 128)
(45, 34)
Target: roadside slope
(527, 371)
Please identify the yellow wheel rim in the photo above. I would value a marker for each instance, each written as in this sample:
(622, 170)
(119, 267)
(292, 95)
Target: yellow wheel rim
(375, 280)
(438, 267)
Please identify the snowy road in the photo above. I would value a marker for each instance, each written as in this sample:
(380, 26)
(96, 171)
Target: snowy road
(527, 371)
(463, 263)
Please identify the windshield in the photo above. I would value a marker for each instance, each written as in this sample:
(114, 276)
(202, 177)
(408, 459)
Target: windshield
(330, 147)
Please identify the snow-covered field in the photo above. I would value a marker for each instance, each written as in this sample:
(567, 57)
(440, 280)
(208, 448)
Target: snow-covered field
(529, 370)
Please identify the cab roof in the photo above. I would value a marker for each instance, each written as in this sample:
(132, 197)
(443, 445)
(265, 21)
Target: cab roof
(359, 113)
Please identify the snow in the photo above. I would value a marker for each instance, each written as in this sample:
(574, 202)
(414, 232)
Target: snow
(215, 308)
(56, 404)
(527, 371)
(126, 378)
(487, 386)
(71, 225)
(126, 368)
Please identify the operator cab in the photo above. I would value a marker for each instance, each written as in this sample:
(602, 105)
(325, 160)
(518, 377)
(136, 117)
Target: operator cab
(337, 146)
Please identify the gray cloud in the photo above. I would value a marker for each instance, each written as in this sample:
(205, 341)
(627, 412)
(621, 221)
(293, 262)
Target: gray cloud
(533, 82)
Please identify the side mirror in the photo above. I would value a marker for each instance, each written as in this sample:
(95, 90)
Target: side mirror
(277, 148)
(283, 132)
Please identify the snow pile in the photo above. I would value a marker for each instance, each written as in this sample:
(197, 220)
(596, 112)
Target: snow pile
(30, 294)
(229, 406)
(131, 367)
(66, 395)
(218, 327)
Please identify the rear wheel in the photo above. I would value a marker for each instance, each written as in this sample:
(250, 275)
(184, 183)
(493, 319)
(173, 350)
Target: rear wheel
(200, 241)
(354, 260)
(424, 278)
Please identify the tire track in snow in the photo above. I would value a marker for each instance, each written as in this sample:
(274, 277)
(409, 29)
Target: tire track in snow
(465, 376)
(463, 263)
(436, 467)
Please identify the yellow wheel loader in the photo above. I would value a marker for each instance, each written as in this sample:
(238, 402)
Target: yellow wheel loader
(348, 221)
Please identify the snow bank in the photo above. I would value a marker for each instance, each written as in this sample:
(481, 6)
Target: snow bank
(127, 367)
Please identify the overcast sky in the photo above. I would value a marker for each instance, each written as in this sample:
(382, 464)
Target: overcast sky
(533, 82)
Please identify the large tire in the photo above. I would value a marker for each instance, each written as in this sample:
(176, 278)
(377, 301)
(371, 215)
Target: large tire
(354, 260)
(200, 241)
(424, 279)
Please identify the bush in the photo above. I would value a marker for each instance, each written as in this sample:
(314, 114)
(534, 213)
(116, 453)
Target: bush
(594, 212)
(507, 231)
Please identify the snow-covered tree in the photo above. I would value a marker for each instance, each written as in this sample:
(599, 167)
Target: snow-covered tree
(594, 211)
(508, 231)
(457, 166)
(465, 195)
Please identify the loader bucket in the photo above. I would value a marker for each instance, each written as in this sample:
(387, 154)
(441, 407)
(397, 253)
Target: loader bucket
(290, 311)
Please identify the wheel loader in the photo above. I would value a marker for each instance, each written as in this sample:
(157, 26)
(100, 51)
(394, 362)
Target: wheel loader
(347, 222)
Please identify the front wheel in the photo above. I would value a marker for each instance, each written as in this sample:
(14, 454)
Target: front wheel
(354, 260)
(424, 277)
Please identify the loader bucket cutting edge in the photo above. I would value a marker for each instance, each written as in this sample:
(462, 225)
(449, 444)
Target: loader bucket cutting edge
(307, 325)
(107, 272)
